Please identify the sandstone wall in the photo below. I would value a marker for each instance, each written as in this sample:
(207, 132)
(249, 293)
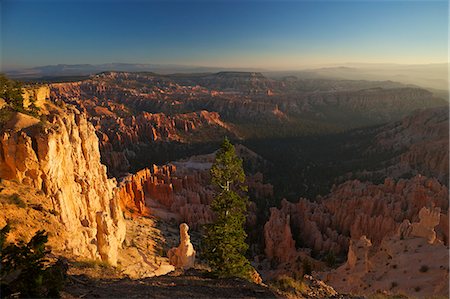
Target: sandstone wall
(62, 159)
(36, 94)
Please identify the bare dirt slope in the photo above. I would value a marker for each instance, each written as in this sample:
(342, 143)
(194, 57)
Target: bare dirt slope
(191, 284)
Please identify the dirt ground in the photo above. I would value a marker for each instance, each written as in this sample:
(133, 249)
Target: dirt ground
(191, 284)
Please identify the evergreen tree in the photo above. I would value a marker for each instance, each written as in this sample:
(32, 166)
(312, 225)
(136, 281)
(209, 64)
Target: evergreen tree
(224, 243)
(25, 271)
(11, 92)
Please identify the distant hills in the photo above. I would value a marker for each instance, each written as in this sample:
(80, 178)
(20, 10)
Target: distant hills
(431, 76)
(90, 69)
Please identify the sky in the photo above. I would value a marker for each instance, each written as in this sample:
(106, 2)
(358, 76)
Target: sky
(260, 34)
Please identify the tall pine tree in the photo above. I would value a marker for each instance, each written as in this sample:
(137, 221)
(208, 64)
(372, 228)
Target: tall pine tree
(224, 243)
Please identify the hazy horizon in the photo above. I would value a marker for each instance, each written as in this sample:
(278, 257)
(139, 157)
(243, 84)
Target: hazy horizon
(270, 35)
(274, 69)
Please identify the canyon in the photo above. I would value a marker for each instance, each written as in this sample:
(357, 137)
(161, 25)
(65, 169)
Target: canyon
(138, 112)
(113, 164)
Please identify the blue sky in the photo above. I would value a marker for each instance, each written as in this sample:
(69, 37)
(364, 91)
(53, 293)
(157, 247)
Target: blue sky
(266, 34)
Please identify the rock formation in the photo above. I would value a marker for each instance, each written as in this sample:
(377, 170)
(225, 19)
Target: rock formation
(429, 219)
(182, 256)
(279, 244)
(421, 143)
(131, 111)
(123, 135)
(180, 191)
(406, 263)
(37, 95)
(131, 193)
(170, 193)
(354, 209)
(358, 254)
(62, 158)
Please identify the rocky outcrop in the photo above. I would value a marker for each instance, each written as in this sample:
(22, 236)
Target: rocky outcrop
(421, 143)
(279, 244)
(406, 263)
(354, 209)
(62, 158)
(170, 193)
(36, 95)
(358, 254)
(131, 193)
(428, 220)
(182, 256)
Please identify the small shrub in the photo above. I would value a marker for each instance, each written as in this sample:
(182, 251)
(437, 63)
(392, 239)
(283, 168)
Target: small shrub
(288, 284)
(417, 289)
(394, 284)
(424, 268)
(25, 271)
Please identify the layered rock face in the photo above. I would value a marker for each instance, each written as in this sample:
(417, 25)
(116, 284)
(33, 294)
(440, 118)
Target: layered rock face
(37, 95)
(62, 159)
(168, 194)
(354, 209)
(421, 141)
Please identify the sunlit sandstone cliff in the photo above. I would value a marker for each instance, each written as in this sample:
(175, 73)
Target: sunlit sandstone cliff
(37, 95)
(61, 157)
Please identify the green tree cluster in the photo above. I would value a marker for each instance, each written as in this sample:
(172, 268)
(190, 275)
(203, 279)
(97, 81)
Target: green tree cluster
(224, 243)
(11, 92)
